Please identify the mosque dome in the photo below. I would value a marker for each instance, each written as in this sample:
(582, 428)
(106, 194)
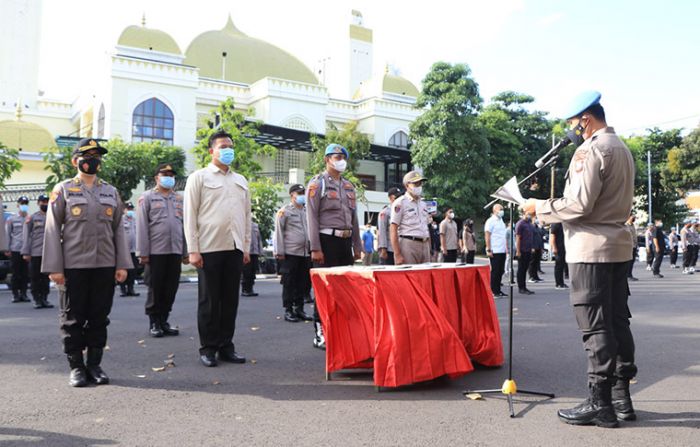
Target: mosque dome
(29, 137)
(387, 83)
(247, 59)
(148, 39)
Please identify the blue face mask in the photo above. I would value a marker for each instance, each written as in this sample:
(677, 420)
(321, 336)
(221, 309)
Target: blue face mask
(24, 208)
(167, 182)
(130, 213)
(226, 156)
(301, 200)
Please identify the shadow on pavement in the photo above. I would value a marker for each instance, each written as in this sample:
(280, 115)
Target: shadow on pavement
(24, 437)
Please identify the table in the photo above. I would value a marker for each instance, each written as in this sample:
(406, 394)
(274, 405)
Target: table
(408, 324)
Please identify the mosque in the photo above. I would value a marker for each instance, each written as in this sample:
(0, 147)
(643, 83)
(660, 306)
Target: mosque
(153, 90)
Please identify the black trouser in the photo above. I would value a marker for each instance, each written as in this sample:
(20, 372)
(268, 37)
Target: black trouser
(20, 272)
(128, 283)
(85, 308)
(249, 271)
(295, 280)
(40, 281)
(657, 261)
(336, 252)
(650, 256)
(162, 275)
(389, 258)
(687, 256)
(498, 265)
(599, 294)
(674, 255)
(523, 264)
(535, 264)
(559, 265)
(469, 257)
(694, 259)
(217, 307)
(451, 256)
(631, 263)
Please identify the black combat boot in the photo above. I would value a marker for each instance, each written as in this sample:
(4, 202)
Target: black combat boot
(622, 402)
(38, 302)
(45, 302)
(596, 410)
(78, 374)
(303, 316)
(122, 287)
(130, 291)
(290, 315)
(166, 328)
(23, 296)
(95, 373)
(156, 329)
(15, 296)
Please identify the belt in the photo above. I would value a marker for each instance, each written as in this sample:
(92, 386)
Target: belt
(417, 239)
(343, 234)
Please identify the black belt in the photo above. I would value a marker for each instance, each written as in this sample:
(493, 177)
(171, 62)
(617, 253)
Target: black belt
(417, 239)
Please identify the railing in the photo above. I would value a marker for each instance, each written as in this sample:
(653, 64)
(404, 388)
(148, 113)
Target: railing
(11, 193)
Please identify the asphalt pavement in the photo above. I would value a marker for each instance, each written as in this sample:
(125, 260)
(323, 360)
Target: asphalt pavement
(281, 397)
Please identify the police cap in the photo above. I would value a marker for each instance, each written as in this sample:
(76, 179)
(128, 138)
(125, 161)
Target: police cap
(24, 200)
(336, 149)
(580, 103)
(165, 167)
(87, 144)
(297, 188)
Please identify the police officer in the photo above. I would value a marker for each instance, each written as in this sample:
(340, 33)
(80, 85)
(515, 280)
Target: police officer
(127, 287)
(292, 250)
(251, 268)
(695, 247)
(450, 242)
(85, 251)
(410, 236)
(331, 214)
(597, 200)
(161, 248)
(33, 236)
(15, 227)
(386, 251)
(673, 242)
(3, 234)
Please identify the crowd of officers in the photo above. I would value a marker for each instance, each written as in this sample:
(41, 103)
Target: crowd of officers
(658, 243)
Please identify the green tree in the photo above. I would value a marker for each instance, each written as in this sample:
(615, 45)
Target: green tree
(9, 163)
(58, 163)
(158, 153)
(682, 170)
(354, 141)
(248, 151)
(451, 144)
(264, 202)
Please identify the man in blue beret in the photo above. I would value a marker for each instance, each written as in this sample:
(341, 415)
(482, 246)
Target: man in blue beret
(597, 201)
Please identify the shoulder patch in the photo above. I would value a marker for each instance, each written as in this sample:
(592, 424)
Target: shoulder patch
(397, 209)
(54, 195)
(280, 213)
(28, 219)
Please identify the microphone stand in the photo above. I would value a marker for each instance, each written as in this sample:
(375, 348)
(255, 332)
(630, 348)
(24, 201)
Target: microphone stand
(509, 387)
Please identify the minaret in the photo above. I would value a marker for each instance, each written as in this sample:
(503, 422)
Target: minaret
(361, 54)
(20, 39)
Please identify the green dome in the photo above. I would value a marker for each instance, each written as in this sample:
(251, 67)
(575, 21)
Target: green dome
(29, 137)
(148, 39)
(399, 85)
(247, 59)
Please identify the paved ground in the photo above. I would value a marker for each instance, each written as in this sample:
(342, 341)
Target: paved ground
(283, 399)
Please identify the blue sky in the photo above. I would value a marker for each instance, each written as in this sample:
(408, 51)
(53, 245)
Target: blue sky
(642, 55)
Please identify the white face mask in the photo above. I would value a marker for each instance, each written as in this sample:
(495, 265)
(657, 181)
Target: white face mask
(417, 191)
(451, 215)
(340, 165)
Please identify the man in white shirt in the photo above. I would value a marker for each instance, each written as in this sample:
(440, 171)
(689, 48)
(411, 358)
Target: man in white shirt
(495, 238)
(218, 232)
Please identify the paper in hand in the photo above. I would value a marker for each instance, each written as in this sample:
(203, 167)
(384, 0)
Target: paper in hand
(510, 192)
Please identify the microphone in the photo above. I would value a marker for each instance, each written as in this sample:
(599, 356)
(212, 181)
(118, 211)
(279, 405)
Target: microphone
(553, 151)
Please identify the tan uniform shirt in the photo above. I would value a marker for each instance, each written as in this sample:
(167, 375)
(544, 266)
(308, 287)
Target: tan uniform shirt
(159, 229)
(449, 229)
(84, 228)
(331, 205)
(597, 201)
(33, 234)
(256, 246)
(15, 228)
(468, 239)
(3, 234)
(384, 225)
(291, 234)
(130, 232)
(217, 211)
(684, 238)
(411, 216)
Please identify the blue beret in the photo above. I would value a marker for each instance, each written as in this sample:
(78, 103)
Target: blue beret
(333, 149)
(581, 103)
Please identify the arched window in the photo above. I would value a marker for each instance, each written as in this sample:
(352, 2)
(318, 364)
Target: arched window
(153, 121)
(399, 139)
(101, 122)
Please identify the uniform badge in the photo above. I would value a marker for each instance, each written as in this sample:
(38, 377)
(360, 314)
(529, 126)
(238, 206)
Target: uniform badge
(109, 212)
(332, 194)
(397, 209)
(280, 213)
(312, 189)
(53, 196)
(74, 189)
(76, 211)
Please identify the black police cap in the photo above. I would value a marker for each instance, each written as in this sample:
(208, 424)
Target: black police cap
(24, 200)
(296, 188)
(87, 144)
(129, 206)
(394, 191)
(165, 167)
(42, 198)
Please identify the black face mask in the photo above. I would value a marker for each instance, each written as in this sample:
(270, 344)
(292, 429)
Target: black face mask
(576, 135)
(43, 207)
(89, 165)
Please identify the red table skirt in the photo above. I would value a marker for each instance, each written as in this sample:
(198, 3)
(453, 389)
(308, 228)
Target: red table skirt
(408, 325)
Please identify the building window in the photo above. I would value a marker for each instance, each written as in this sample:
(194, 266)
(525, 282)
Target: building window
(101, 122)
(153, 121)
(399, 139)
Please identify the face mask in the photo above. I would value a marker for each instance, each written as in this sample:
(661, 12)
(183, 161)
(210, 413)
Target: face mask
(301, 200)
(576, 134)
(451, 215)
(43, 207)
(226, 156)
(500, 213)
(167, 182)
(434, 225)
(89, 165)
(130, 213)
(417, 191)
(24, 208)
(340, 165)
(660, 224)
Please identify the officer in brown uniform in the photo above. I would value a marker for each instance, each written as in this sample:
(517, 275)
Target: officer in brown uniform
(161, 248)
(331, 213)
(251, 268)
(410, 236)
(3, 235)
(386, 251)
(33, 236)
(85, 251)
(292, 250)
(597, 201)
(20, 272)
(127, 287)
